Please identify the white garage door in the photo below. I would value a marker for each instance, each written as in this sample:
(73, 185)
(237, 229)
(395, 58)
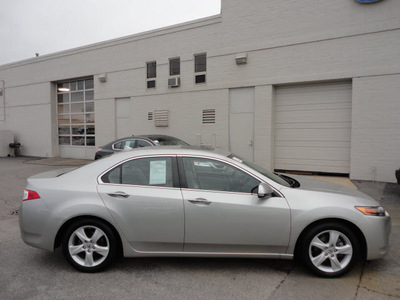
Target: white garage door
(313, 127)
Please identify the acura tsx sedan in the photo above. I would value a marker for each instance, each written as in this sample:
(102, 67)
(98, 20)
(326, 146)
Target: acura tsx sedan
(182, 201)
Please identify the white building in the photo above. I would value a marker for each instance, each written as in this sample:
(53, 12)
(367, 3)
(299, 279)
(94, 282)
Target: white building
(311, 85)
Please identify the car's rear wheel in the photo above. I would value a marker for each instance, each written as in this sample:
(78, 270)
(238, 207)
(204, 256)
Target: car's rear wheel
(89, 245)
(330, 250)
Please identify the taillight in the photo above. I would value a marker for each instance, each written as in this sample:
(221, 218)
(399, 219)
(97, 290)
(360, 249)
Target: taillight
(30, 195)
(98, 149)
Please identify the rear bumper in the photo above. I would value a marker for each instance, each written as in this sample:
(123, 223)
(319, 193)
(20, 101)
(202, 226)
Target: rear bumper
(34, 226)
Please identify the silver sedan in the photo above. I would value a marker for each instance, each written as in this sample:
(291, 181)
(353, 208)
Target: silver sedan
(189, 202)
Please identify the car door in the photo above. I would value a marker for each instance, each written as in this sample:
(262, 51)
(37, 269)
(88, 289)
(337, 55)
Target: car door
(144, 198)
(223, 215)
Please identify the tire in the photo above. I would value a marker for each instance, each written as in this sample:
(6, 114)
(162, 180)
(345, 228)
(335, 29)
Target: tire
(89, 245)
(330, 250)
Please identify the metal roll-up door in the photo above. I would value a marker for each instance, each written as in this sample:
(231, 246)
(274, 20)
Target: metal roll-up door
(313, 127)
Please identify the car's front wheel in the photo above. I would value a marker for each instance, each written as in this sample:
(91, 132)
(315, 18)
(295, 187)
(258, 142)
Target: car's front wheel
(89, 245)
(330, 250)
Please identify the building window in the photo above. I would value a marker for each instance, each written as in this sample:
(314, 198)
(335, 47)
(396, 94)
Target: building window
(151, 84)
(200, 68)
(200, 78)
(200, 63)
(75, 110)
(151, 74)
(174, 66)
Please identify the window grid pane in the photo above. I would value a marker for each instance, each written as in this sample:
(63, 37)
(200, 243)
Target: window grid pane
(76, 113)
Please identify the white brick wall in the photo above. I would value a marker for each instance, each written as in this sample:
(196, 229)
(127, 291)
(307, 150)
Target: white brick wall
(29, 116)
(185, 115)
(375, 148)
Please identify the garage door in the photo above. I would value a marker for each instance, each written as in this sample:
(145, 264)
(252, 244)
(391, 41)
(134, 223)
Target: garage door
(313, 127)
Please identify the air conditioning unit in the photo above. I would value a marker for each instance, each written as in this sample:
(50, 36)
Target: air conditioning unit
(174, 82)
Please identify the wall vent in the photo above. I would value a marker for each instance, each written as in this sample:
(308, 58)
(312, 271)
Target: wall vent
(150, 116)
(161, 118)
(208, 116)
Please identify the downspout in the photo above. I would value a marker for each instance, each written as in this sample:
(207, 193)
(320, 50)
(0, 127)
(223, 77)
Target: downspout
(3, 89)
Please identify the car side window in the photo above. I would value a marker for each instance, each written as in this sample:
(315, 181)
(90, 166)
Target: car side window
(156, 171)
(208, 174)
(130, 143)
(118, 145)
(143, 143)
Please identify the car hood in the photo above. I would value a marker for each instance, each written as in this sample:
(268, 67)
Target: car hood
(311, 184)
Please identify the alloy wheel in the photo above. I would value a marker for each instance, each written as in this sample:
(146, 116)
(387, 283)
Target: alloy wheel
(330, 251)
(88, 246)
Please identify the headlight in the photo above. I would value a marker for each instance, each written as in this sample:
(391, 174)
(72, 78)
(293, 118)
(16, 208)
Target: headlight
(372, 210)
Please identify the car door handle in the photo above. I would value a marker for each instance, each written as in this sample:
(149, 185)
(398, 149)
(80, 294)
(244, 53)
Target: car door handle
(118, 194)
(200, 201)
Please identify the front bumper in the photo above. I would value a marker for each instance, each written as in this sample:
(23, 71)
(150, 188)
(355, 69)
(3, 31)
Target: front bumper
(377, 231)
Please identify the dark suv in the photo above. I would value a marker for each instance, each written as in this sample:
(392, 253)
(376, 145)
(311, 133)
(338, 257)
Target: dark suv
(137, 142)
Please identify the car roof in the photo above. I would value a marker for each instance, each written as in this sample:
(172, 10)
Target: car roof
(129, 138)
(147, 136)
(150, 137)
(171, 150)
(154, 136)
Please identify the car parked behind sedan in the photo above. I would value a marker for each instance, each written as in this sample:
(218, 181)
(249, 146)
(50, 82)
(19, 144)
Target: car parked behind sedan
(137, 141)
(182, 201)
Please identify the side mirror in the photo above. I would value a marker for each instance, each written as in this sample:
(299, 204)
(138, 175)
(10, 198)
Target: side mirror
(264, 190)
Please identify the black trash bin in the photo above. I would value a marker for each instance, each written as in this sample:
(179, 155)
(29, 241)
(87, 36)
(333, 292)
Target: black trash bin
(15, 149)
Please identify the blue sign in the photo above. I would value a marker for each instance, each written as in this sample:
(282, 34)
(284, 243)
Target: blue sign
(367, 1)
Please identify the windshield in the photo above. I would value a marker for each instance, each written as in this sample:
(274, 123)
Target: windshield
(261, 170)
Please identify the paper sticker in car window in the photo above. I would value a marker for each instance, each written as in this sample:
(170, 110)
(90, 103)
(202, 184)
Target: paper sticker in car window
(158, 172)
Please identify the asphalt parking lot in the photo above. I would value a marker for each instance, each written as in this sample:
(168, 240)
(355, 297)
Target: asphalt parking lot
(29, 273)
